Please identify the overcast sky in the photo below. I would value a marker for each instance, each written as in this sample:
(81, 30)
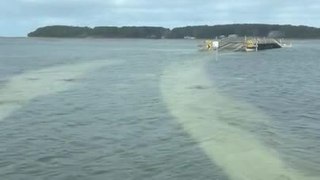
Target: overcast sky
(19, 17)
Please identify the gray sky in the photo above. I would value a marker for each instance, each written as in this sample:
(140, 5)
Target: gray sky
(19, 17)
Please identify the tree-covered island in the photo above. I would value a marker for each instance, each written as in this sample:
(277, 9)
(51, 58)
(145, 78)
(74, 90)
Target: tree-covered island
(261, 30)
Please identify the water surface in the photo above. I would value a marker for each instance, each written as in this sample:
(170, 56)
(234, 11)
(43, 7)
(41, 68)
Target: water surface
(157, 109)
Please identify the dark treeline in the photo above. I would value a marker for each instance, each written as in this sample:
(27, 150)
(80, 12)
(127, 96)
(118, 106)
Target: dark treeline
(261, 30)
(100, 32)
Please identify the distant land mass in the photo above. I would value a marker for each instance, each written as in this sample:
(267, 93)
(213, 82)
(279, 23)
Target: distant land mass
(200, 32)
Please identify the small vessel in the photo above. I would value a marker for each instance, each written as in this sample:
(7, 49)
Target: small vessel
(209, 45)
(251, 46)
(189, 37)
(285, 44)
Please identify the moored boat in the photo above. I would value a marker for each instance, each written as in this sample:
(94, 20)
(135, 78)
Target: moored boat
(251, 46)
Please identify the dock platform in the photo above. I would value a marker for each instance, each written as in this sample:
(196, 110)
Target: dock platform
(245, 44)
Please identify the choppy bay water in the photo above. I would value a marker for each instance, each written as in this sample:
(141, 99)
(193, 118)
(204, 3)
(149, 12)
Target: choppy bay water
(157, 109)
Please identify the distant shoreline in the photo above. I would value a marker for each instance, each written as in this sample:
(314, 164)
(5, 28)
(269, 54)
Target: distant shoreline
(90, 38)
(188, 32)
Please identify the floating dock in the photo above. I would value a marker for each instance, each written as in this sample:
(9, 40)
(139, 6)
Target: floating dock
(242, 44)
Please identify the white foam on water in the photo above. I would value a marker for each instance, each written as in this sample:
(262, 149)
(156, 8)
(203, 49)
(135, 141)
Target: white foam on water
(213, 120)
(29, 85)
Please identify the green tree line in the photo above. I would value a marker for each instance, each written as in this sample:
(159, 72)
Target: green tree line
(100, 32)
(261, 30)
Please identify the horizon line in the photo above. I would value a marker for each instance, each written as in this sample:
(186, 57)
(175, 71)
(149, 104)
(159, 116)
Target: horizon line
(119, 26)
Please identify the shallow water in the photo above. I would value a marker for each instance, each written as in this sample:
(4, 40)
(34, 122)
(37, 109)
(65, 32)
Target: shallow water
(157, 109)
(284, 84)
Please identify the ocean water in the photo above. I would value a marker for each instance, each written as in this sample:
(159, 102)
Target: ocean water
(157, 109)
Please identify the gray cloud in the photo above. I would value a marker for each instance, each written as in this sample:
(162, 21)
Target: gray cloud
(18, 17)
